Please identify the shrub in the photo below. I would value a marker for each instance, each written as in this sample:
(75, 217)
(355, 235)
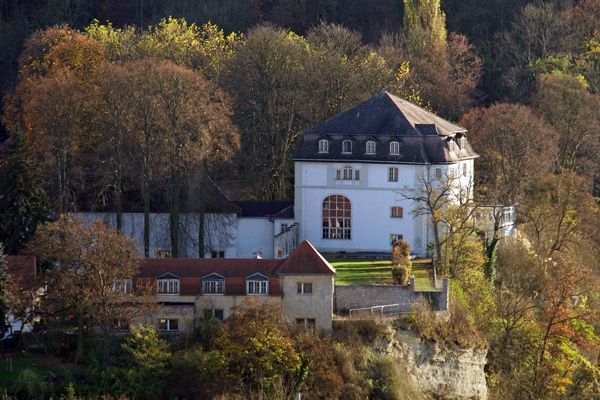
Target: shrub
(30, 385)
(323, 380)
(402, 263)
(390, 382)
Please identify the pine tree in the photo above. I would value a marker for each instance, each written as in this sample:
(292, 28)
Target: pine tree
(424, 26)
(23, 202)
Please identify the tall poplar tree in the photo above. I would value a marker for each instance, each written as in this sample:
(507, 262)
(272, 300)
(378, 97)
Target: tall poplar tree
(424, 26)
(3, 284)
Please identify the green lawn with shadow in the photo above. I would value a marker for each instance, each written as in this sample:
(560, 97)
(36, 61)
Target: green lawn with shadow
(364, 271)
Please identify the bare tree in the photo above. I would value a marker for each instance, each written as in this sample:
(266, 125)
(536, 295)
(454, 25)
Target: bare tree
(446, 201)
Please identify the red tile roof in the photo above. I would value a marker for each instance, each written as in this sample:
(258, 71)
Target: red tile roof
(305, 259)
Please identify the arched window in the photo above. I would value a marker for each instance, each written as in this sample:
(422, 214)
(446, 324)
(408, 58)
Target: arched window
(370, 148)
(337, 215)
(394, 148)
(323, 146)
(347, 147)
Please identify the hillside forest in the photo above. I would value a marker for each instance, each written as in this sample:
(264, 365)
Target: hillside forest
(140, 105)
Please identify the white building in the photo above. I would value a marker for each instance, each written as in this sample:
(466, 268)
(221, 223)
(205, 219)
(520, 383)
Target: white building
(353, 173)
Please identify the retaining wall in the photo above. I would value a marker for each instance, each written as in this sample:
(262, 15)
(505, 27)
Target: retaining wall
(347, 297)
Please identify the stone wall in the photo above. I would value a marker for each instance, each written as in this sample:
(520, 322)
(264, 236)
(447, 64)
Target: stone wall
(349, 297)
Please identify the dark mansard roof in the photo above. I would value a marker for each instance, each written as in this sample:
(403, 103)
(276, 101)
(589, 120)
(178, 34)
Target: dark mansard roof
(423, 137)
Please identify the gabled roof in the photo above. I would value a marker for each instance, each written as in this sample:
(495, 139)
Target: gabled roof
(305, 259)
(386, 114)
(424, 138)
(263, 209)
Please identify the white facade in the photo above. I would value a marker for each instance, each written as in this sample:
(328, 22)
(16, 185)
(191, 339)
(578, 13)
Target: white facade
(373, 225)
(225, 235)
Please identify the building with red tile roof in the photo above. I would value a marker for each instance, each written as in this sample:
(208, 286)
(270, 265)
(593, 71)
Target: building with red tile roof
(188, 289)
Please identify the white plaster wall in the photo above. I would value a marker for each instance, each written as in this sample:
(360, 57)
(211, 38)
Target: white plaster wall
(371, 201)
(254, 234)
(220, 231)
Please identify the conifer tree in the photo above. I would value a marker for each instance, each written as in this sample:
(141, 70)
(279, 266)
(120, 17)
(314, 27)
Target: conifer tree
(23, 202)
(424, 26)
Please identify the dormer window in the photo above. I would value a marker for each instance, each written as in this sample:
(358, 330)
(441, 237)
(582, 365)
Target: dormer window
(257, 284)
(394, 148)
(347, 147)
(213, 284)
(167, 284)
(370, 147)
(323, 146)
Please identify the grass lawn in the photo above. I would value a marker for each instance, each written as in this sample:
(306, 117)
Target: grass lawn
(356, 272)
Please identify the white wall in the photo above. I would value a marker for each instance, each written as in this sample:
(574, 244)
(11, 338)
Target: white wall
(371, 199)
(219, 230)
(254, 234)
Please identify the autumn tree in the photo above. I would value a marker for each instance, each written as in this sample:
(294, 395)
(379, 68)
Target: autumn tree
(558, 213)
(258, 350)
(572, 110)
(194, 126)
(265, 76)
(516, 147)
(113, 125)
(23, 202)
(92, 266)
(49, 105)
(424, 26)
(440, 200)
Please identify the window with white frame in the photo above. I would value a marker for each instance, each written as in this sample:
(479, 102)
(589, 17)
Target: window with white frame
(123, 286)
(338, 174)
(305, 287)
(347, 147)
(337, 217)
(167, 284)
(394, 237)
(168, 324)
(213, 284)
(357, 175)
(347, 173)
(370, 147)
(438, 173)
(465, 169)
(394, 148)
(257, 284)
(323, 146)
(393, 174)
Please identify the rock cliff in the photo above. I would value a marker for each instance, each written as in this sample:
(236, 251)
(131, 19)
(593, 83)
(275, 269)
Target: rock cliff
(437, 370)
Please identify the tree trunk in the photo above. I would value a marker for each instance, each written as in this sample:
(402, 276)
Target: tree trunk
(174, 217)
(80, 340)
(146, 196)
(201, 238)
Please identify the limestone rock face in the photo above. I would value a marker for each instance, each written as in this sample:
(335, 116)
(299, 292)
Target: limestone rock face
(449, 373)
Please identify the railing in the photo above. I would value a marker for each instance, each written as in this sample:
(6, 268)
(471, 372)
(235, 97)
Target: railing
(286, 241)
(387, 310)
